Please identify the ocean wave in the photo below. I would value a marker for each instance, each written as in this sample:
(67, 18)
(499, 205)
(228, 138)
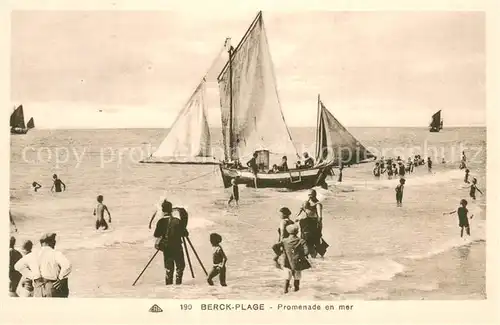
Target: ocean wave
(478, 234)
(351, 275)
(116, 235)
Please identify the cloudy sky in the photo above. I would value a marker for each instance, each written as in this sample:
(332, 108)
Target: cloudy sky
(371, 68)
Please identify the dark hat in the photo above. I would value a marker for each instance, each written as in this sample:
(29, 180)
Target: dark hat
(50, 236)
(286, 211)
(166, 206)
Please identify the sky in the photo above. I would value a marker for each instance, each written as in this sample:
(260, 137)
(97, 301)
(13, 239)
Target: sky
(139, 68)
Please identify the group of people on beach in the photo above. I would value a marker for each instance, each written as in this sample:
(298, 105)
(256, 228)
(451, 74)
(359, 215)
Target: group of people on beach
(57, 185)
(299, 239)
(397, 167)
(43, 273)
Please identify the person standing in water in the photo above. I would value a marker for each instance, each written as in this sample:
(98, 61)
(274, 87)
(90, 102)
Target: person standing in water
(58, 185)
(429, 164)
(99, 212)
(36, 186)
(376, 170)
(399, 192)
(295, 251)
(466, 178)
(219, 260)
(14, 275)
(169, 232)
(12, 222)
(341, 168)
(254, 167)
(235, 193)
(473, 189)
(463, 219)
(285, 222)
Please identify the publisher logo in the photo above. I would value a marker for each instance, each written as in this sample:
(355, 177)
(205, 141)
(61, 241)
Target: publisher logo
(155, 309)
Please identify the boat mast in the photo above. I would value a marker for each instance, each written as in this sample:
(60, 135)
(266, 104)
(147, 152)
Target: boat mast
(230, 103)
(318, 128)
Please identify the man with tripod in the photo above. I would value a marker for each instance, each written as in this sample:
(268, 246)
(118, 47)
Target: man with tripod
(168, 233)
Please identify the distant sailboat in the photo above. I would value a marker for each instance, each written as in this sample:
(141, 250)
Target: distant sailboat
(17, 125)
(31, 124)
(437, 123)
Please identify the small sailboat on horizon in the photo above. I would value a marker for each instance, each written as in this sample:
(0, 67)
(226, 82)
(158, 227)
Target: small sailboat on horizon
(436, 124)
(17, 124)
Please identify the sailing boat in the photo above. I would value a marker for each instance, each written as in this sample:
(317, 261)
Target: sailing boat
(31, 124)
(188, 140)
(17, 125)
(335, 144)
(436, 123)
(253, 122)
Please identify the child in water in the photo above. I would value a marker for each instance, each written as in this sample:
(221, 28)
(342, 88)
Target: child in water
(399, 192)
(463, 220)
(376, 170)
(58, 185)
(99, 211)
(295, 251)
(36, 186)
(473, 189)
(235, 193)
(219, 260)
(466, 178)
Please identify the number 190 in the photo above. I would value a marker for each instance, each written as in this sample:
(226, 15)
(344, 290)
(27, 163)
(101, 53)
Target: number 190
(186, 306)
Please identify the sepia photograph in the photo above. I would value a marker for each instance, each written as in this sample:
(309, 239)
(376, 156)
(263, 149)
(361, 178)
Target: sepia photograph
(299, 156)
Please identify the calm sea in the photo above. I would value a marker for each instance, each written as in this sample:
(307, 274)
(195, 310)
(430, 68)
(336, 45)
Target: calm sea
(377, 251)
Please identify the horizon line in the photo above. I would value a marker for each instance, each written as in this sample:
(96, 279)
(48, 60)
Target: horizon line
(303, 126)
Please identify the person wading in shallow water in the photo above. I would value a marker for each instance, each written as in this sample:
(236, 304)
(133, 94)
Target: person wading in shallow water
(168, 233)
(36, 186)
(219, 259)
(14, 275)
(294, 261)
(473, 189)
(12, 222)
(463, 219)
(99, 212)
(235, 193)
(399, 192)
(58, 185)
(49, 269)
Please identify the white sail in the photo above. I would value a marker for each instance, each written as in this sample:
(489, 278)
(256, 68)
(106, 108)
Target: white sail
(189, 137)
(257, 119)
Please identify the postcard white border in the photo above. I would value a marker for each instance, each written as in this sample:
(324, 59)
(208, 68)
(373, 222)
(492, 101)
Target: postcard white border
(135, 311)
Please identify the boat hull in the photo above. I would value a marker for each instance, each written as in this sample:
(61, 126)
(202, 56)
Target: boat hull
(178, 162)
(295, 179)
(19, 131)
